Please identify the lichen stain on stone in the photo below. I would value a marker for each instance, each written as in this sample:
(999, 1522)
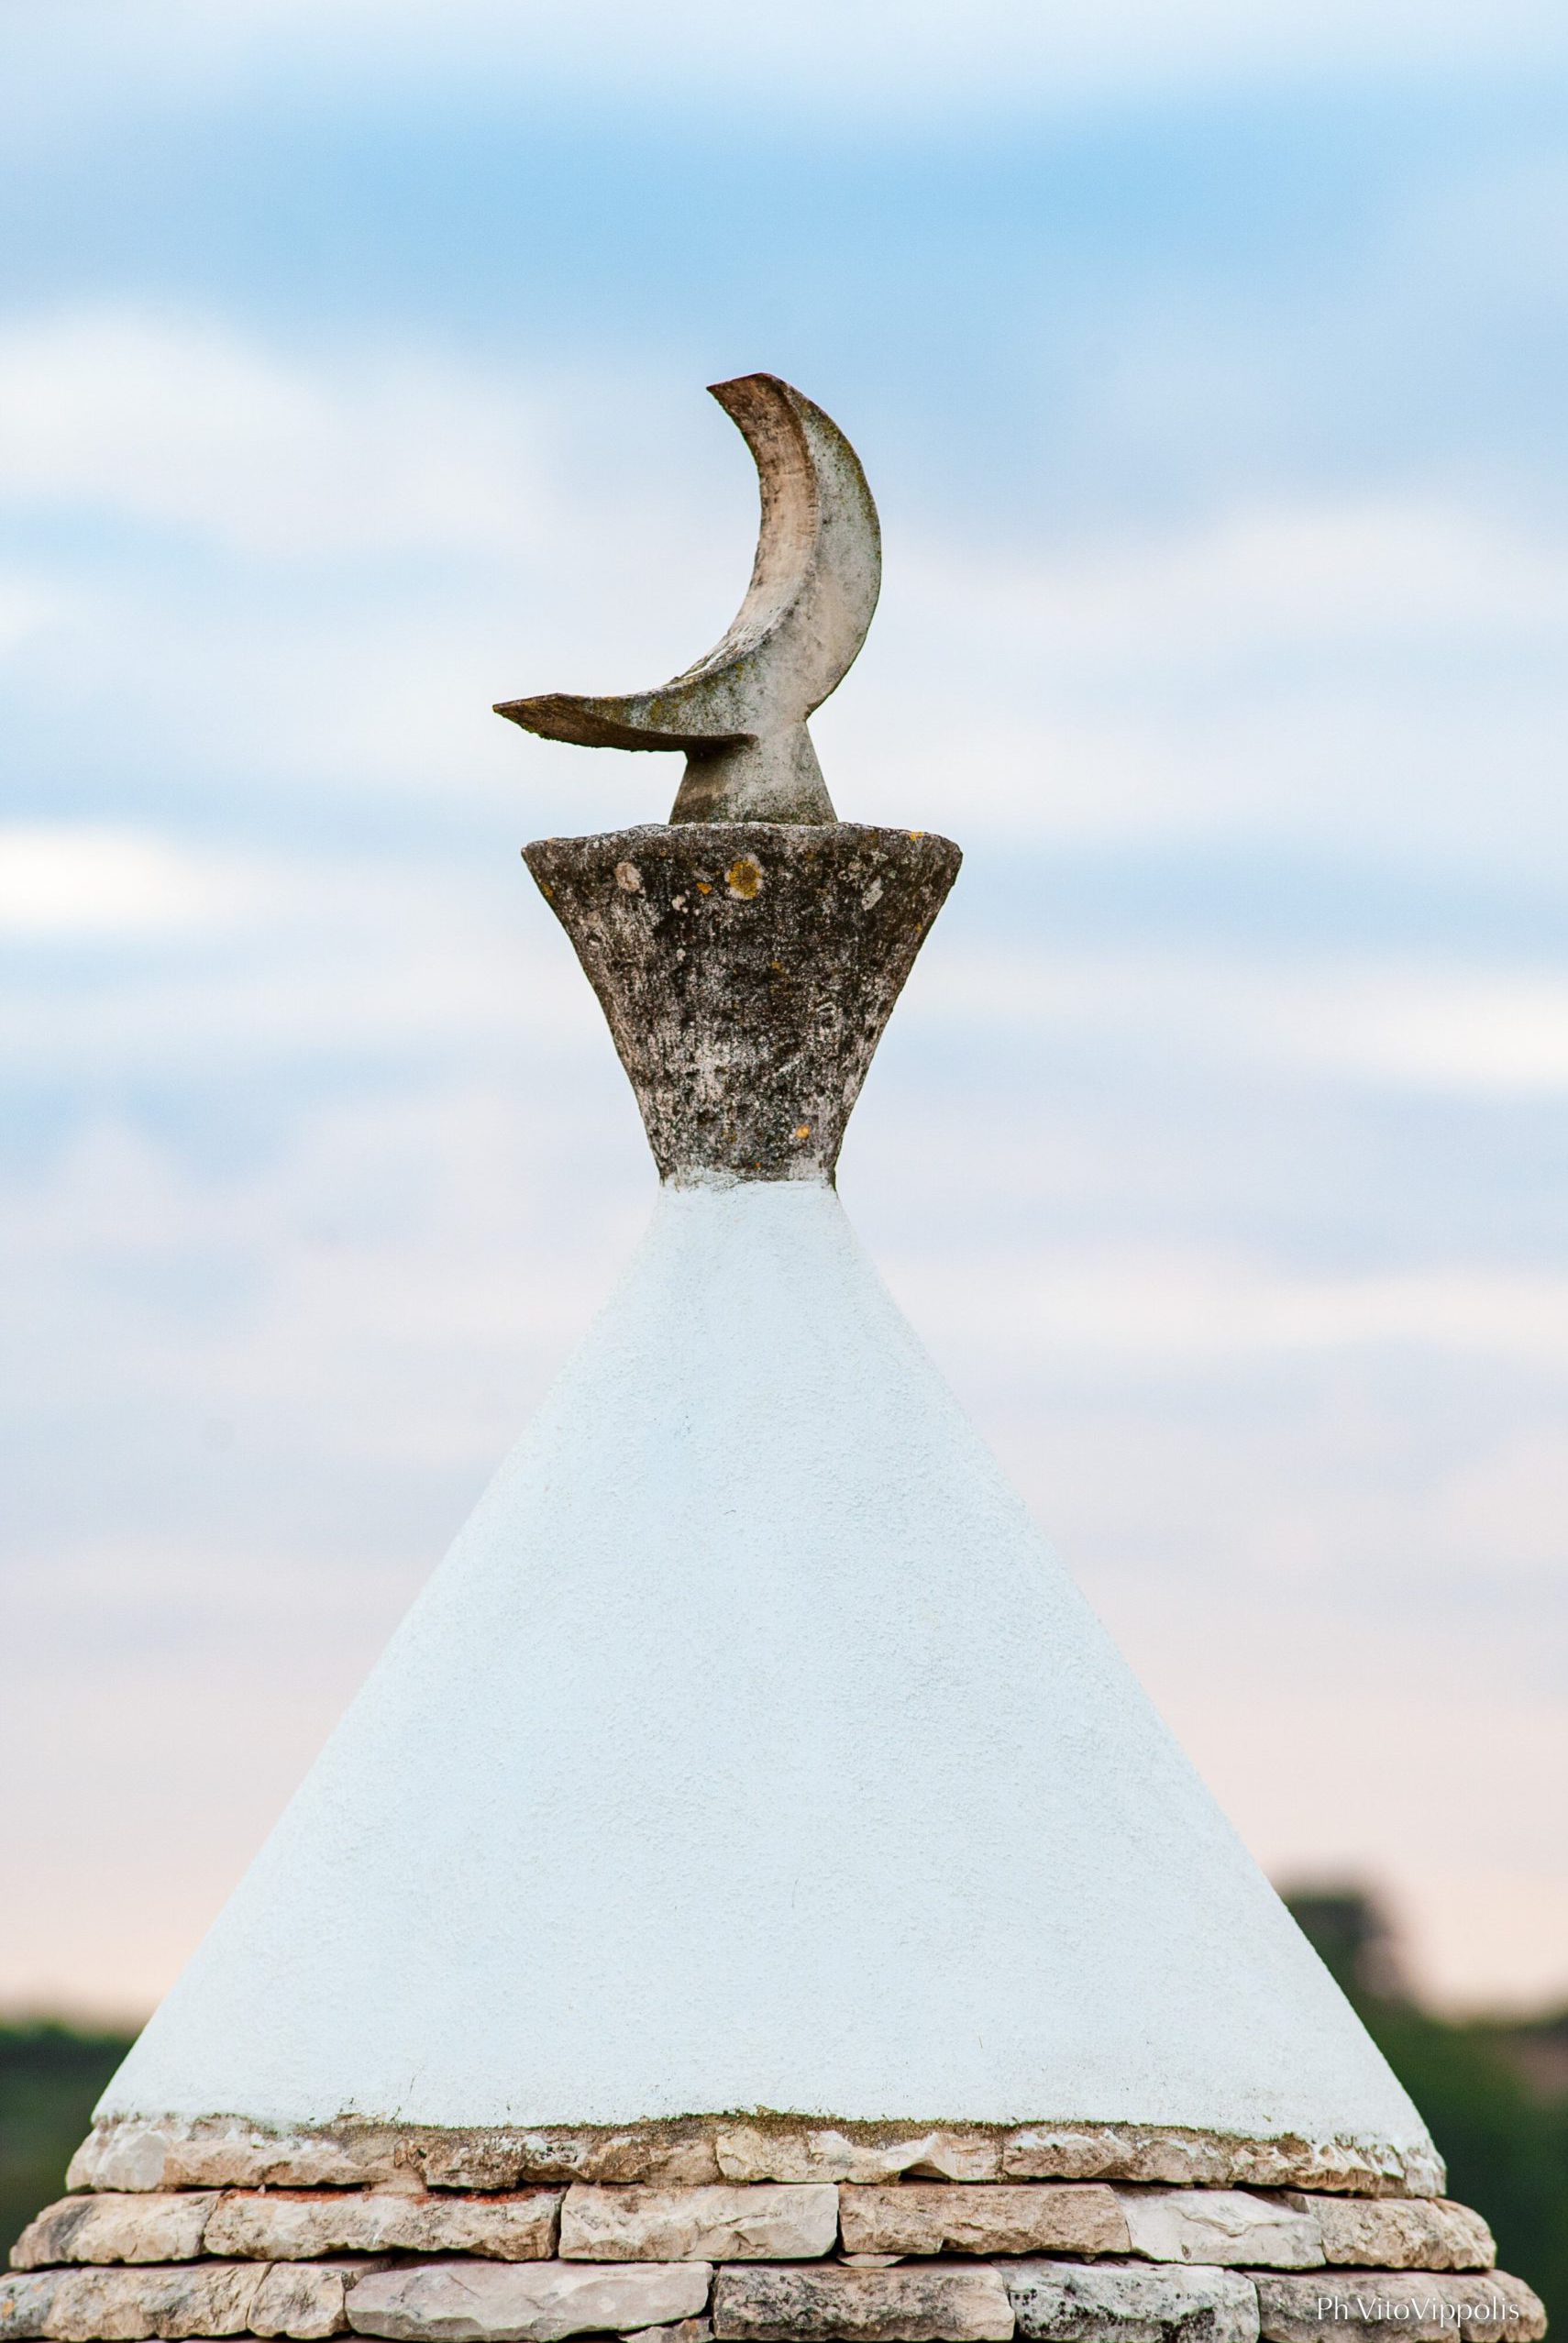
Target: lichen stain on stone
(747, 1063)
(628, 878)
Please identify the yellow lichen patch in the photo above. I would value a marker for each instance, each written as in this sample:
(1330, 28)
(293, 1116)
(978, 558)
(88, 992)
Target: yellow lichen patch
(802, 1131)
(703, 888)
(743, 878)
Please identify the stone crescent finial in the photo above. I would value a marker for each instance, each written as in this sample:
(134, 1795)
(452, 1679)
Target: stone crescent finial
(740, 713)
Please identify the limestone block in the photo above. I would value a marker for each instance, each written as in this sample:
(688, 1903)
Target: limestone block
(1214, 2160)
(120, 2156)
(1360, 2168)
(1066, 2302)
(203, 2298)
(939, 2303)
(1034, 2216)
(25, 2301)
(116, 2228)
(751, 2152)
(1224, 2226)
(130, 2153)
(297, 2226)
(1400, 2233)
(220, 2152)
(1114, 2151)
(494, 2302)
(1413, 2303)
(719, 2224)
(667, 2155)
(303, 2299)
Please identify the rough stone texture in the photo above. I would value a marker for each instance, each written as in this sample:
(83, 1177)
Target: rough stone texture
(1426, 2308)
(859, 2152)
(136, 2156)
(25, 2301)
(116, 2228)
(284, 2226)
(131, 2155)
(1185, 2159)
(665, 2155)
(217, 2153)
(1035, 2216)
(719, 2224)
(451, 2301)
(1220, 2225)
(1069, 2302)
(1400, 2233)
(303, 2299)
(203, 2298)
(937, 2303)
(747, 970)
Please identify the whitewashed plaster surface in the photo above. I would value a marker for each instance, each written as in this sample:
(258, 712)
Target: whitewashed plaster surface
(749, 1750)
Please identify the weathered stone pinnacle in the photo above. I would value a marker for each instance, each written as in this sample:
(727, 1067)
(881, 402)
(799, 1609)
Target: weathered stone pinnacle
(748, 970)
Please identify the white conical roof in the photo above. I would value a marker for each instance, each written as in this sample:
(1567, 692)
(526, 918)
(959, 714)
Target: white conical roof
(749, 1750)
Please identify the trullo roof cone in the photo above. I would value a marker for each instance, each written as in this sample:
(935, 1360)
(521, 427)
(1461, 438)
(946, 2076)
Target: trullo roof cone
(751, 1796)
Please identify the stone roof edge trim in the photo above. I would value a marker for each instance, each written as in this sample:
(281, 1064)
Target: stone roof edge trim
(137, 2152)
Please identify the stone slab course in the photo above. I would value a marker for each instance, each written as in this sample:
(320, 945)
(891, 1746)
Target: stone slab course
(223, 2152)
(769, 2220)
(475, 2300)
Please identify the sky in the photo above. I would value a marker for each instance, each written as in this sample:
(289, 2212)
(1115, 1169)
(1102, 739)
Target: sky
(1208, 367)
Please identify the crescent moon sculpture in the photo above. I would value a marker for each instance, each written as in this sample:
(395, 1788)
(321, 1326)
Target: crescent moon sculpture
(740, 713)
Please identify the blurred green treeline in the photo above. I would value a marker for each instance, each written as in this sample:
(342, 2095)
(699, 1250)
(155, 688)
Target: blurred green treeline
(1493, 2092)
(51, 2077)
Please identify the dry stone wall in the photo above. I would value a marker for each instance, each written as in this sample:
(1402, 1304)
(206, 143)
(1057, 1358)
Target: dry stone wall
(219, 2233)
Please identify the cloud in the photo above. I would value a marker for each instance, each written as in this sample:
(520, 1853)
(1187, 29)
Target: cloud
(255, 951)
(1434, 1025)
(1373, 575)
(1212, 1305)
(25, 606)
(71, 880)
(1388, 664)
(191, 427)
